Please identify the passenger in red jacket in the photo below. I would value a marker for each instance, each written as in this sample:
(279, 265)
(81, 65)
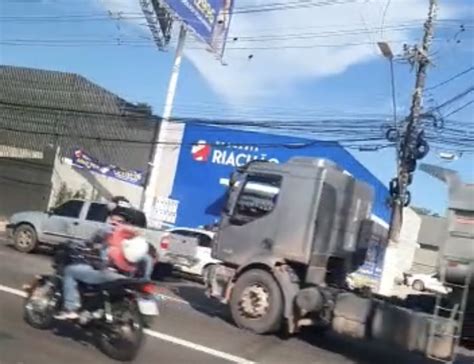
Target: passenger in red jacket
(121, 248)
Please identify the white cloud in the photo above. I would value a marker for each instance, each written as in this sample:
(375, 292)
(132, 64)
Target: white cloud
(276, 72)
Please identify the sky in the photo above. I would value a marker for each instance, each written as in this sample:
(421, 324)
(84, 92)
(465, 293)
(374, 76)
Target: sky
(306, 63)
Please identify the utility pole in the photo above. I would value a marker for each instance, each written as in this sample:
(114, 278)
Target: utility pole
(412, 145)
(165, 133)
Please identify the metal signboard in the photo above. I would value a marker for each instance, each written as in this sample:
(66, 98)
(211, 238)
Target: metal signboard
(208, 19)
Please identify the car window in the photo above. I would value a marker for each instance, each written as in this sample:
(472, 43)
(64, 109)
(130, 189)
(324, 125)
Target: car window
(204, 240)
(183, 232)
(69, 209)
(97, 212)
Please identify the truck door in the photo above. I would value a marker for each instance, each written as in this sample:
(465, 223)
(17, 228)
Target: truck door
(58, 226)
(93, 219)
(248, 227)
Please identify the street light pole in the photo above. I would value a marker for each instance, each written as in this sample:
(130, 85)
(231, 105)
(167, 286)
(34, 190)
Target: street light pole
(388, 54)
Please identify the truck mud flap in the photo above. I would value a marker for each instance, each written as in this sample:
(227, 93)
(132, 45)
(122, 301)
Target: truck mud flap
(289, 284)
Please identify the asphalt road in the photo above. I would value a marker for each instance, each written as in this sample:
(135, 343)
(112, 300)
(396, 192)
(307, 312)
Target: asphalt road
(191, 329)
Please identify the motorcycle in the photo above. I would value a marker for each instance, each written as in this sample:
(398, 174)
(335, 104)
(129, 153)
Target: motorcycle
(116, 311)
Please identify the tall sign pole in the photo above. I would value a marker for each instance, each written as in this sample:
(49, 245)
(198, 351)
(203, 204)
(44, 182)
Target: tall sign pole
(412, 145)
(165, 134)
(210, 23)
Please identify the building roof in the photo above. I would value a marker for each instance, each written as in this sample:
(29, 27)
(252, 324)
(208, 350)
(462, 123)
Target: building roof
(433, 230)
(40, 109)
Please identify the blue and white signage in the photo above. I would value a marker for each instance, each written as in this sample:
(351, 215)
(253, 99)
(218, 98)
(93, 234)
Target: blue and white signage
(209, 19)
(210, 154)
(82, 160)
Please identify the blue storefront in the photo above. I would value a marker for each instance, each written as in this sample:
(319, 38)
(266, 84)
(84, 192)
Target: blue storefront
(209, 155)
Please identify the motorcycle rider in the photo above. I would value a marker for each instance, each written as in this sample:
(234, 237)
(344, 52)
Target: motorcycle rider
(119, 247)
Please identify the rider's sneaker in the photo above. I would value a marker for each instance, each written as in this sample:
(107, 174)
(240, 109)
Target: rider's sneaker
(67, 315)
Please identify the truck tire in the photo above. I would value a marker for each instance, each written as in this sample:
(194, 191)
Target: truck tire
(25, 239)
(257, 302)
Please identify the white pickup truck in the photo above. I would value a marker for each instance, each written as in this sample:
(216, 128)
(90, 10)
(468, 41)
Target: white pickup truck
(79, 220)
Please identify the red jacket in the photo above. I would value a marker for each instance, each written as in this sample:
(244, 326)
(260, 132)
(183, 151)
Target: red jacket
(115, 251)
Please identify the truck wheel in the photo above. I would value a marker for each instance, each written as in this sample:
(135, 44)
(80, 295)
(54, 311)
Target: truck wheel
(418, 285)
(257, 303)
(25, 239)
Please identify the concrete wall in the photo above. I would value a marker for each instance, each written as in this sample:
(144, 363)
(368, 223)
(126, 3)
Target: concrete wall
(97, 187)
(25, 184)
(425, 260)
(399, 257)
(164, 170)
(408, 240)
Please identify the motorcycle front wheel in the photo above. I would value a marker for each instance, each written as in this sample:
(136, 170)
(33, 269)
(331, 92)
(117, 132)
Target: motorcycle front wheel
(122, 338)
(40, 306)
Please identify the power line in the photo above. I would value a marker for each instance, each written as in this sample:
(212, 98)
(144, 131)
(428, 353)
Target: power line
(141, 44)
(452, 78)
(451, 100)
(459, 108)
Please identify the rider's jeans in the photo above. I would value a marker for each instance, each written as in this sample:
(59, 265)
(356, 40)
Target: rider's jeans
(149, 265)
(83, 273)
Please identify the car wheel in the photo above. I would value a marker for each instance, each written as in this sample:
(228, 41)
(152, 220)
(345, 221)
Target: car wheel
(418, 285)
(257, 302)
(25, 239)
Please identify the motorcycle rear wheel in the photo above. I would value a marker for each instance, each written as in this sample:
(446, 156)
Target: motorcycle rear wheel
(122, 339)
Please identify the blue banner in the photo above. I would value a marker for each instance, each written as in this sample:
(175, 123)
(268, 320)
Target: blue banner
(373, 264)
(210, 154)
(82, 160)
(208, 19)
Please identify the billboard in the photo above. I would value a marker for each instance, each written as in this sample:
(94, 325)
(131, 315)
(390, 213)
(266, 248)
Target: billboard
(82, 160)
(208, 156)
(159, 22)
(208, 19)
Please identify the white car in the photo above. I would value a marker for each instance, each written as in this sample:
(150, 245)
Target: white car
(202, 260)
(425, 282)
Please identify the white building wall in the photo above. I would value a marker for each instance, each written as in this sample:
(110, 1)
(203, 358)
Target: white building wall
(399, 258)
(97, 187)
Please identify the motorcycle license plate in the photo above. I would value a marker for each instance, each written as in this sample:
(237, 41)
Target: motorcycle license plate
(148, 307)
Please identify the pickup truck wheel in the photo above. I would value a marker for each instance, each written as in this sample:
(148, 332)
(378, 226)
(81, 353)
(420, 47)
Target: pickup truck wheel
(257, 303)
(25, 239)
(418, 285)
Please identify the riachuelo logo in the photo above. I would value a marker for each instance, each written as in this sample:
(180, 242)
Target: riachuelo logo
(201, 151)
(228, 154)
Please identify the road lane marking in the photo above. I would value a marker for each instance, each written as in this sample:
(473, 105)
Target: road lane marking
(163, 337)
(14, 291)
(198, 347)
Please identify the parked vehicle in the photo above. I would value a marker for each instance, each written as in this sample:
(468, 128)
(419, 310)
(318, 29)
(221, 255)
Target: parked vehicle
(114, 311)
(201, 261)
(425, 282)
(79, 220)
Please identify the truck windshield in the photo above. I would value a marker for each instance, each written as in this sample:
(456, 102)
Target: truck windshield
(258, 197)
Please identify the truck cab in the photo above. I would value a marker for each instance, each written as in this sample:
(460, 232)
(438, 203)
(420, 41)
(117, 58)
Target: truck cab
(289, 234)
